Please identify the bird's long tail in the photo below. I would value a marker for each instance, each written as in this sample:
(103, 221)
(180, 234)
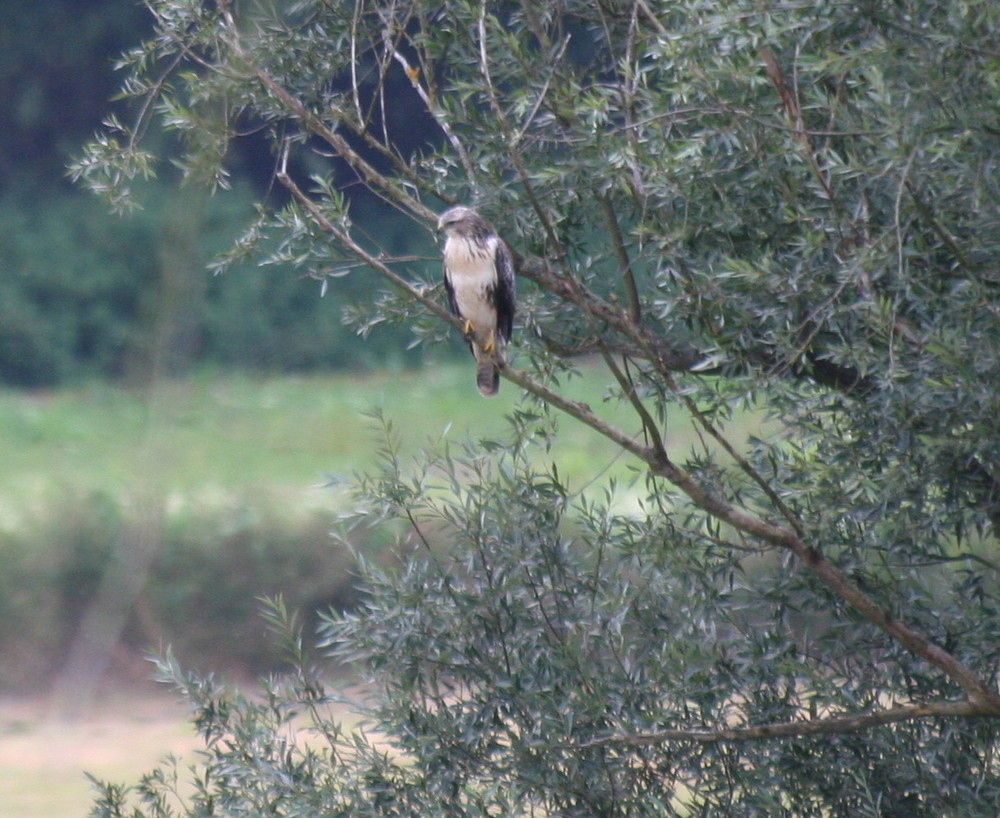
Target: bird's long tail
(487, 376)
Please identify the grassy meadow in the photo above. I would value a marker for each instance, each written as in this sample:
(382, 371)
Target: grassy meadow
(222, 434)
(216, 436)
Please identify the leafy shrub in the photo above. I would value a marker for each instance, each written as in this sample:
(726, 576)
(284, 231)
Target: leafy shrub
(212, 566)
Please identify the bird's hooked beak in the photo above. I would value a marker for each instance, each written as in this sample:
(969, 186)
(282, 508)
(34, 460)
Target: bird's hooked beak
(441, 233)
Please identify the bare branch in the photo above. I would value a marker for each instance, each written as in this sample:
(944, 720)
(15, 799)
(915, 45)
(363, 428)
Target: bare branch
(798, 729)
(313, 123)
(793, 112)
(624, 262)
(366, 171)
(628, 387)
(413, 72)
(355, 26)
(377, 263)
(647, 344)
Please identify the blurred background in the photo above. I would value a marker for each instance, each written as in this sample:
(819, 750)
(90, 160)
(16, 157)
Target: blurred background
(166, 436)
(170, 440)
(149, 463)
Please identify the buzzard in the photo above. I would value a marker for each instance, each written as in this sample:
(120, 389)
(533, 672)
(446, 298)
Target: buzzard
(479, 278)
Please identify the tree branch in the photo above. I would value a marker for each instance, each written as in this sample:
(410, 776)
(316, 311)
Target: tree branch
(624, 262)
(515, 154)
(986, 700)
(413, 73)
(790, 539)
(982, 699)
(368, 173)
(794, 114)
(796, 729)
(927, 214)
(376, 263)
(982, 696)
(787, 538)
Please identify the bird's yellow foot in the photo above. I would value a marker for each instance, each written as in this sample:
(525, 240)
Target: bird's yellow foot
(467, 328)
(490, 347)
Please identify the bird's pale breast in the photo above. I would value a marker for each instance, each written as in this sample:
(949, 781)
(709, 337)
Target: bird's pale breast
(472, 274)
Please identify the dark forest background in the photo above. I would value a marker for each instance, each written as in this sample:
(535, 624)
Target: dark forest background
(86, 293)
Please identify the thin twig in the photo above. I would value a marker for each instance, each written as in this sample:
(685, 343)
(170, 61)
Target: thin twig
(624, 262)
(793, 111)
(628, 387)
(413, 73)
(365, 170)
(648, 14)
(545, 88)
(515, 155)
(355, 87)
(927, 214)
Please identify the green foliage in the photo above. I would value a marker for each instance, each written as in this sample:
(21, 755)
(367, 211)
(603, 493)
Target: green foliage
(500, 657)
(88, 294)
(201, 597)
(72, 291)
(800, 198)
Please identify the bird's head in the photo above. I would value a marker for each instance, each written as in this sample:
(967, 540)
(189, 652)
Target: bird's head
(458, 219)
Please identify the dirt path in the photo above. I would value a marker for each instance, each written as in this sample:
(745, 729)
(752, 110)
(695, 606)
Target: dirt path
(42, 761)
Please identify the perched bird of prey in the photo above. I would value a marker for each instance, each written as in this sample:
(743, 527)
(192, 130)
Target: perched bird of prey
(479, 278)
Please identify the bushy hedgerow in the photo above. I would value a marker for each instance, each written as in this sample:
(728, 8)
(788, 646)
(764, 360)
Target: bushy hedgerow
(202, 594)
(86, 293)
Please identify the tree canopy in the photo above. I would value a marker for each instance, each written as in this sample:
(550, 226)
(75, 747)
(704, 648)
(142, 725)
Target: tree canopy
(792, 205)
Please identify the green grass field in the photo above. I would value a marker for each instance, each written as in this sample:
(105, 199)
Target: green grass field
(216, 435)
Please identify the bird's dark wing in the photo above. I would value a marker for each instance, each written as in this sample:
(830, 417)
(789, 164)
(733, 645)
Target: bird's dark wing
(451, 293)
(505, 293)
